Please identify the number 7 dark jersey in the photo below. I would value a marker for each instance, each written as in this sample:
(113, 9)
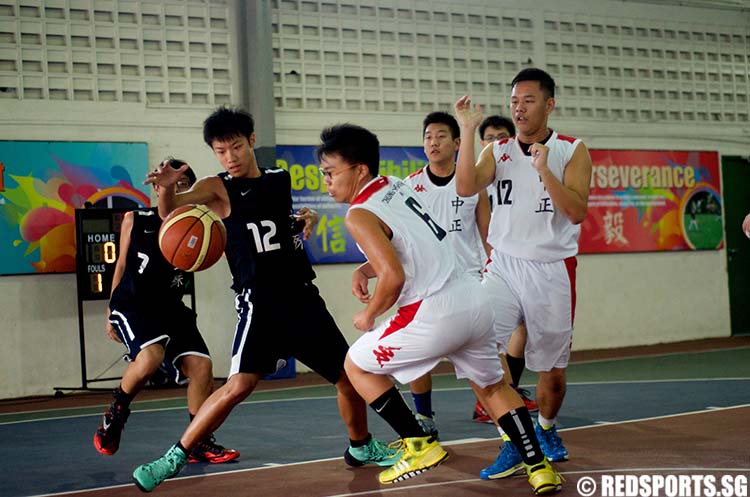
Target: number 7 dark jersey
(261, 249)
(149, 280)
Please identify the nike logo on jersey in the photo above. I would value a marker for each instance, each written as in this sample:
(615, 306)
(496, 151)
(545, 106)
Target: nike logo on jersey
(245, 192)
(149, 231)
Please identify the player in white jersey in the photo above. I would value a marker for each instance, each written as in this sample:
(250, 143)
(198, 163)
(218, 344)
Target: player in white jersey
(465, 220)
(441, 310)
(541, 181)
(494, 128)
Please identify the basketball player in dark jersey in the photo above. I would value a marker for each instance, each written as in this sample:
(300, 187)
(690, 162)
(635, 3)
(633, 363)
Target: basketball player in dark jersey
(280, 312)
(148, 316)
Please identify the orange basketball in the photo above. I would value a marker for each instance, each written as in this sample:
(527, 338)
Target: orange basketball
(192, 238)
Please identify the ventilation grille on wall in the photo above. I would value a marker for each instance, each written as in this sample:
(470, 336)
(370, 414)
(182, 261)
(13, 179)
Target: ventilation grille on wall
(158, 52)
(414, 56)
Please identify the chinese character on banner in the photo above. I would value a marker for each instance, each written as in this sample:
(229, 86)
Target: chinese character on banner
(330, 231)
(613, 226)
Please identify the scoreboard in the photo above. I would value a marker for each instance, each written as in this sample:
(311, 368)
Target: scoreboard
(97, 249)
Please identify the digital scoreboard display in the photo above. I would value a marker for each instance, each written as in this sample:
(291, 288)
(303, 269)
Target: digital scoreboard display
(97, 249)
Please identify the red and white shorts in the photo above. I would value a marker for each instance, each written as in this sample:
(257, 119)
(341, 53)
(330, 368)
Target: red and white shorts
(543, 295)
(454, 323)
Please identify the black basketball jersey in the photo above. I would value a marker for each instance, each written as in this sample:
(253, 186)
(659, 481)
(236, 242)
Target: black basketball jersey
(148, 280)
(261, 249)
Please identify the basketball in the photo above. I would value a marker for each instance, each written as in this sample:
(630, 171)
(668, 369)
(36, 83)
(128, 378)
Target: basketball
(192, 238)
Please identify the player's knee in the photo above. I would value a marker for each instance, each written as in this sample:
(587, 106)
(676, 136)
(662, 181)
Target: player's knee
(344, 384)
(492, 389)
(198, 368)
(239, 387)
(150, 357)
(553, 381)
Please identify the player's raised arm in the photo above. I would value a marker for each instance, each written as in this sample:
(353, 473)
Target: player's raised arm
(471, 176)
(165, 178)
(369, 233)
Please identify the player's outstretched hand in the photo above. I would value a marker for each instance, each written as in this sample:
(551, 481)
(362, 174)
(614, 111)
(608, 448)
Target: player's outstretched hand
(311, 219)
(746, 226)
(466, 115)
(165, 175)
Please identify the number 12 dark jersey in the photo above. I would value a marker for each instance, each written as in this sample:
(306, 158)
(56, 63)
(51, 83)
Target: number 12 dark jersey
(261, 249)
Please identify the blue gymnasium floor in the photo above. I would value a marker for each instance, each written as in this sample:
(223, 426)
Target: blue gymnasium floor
(50, 452)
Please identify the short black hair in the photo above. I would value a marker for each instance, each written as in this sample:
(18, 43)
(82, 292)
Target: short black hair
(442, 118)
(355, 144)
(497, 121)
(546, 83)
(226, 123)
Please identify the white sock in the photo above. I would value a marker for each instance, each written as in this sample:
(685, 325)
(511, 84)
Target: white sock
(545, 423)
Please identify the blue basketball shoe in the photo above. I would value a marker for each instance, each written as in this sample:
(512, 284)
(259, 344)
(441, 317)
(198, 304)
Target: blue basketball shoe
(551, 444)
(508, 463)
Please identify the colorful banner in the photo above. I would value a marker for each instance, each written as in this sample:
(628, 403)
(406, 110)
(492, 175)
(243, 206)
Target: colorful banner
(331, 243)
(644, 201)
(41, 185)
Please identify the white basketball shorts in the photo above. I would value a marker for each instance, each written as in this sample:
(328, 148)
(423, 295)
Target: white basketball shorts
(543, 295)
(455, 323)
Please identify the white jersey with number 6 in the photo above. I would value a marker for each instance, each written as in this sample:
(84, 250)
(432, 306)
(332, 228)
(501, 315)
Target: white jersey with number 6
(420, 242)
(524, 222)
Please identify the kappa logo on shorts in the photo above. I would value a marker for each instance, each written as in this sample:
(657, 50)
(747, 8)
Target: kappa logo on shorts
(384, 354)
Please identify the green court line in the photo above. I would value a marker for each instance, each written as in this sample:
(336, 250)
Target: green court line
(714, 364)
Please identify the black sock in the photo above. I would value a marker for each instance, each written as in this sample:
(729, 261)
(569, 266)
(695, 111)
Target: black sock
(516, 366)
(361, 443)
(122, 398)
(183, 449)
(394, 411)
(517, 424)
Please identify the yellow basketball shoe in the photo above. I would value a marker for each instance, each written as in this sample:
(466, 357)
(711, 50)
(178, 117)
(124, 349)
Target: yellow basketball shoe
(419, 455)
(544, 479)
